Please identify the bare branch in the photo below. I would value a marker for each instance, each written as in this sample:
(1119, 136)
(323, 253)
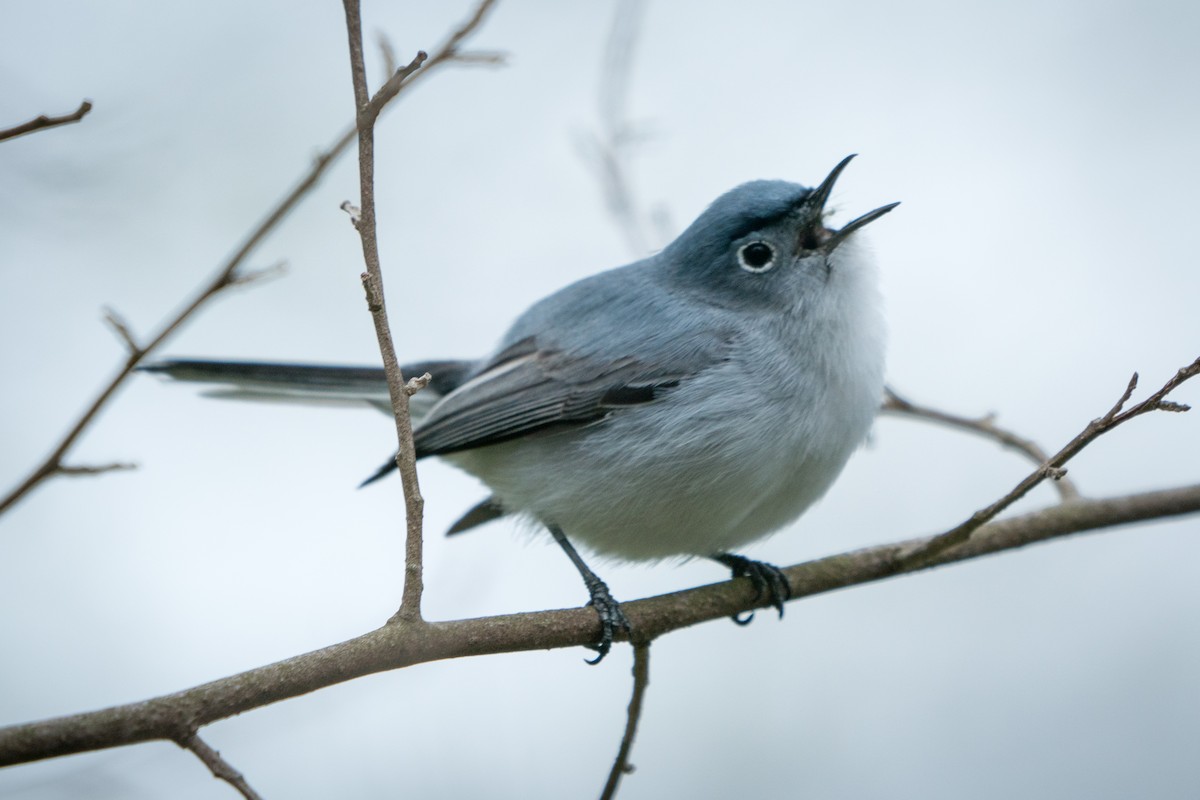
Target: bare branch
(986, 426)
(1128, 393)
(641, 679)
(1155, 402)
(227, 274)
(81, 470)
(363, 218)
(121, 329)
(387, 53)
(422, 62)
(370, 111)
(247, 277)
(449, 48)
(490, 58)
(43, 122)
(1053, 466)
(220, 768)
(404, 643)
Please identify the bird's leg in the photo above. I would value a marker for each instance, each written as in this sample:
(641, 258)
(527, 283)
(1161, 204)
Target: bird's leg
(608, 609)
(768, 580)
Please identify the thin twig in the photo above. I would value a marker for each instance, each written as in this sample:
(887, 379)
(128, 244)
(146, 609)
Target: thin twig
(121, 329)
(893, 403)
(220, 768)
(387, 53)
(396, 646)
(76, 471)
(1053, 466)
(447, 51)
(641, 679)
(228, 273)
(268, 273)
(42, 122)
(489, 58)
(370, 110)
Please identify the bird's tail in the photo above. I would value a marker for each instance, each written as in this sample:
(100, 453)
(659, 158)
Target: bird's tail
(316, 384)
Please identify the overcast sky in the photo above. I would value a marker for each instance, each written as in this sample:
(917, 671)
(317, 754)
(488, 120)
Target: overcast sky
(1045, 155)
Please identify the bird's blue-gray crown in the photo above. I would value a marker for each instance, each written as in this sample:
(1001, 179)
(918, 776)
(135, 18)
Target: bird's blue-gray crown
(756, 227)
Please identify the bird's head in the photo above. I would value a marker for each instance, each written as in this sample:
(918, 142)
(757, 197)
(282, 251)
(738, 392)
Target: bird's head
(764, 244)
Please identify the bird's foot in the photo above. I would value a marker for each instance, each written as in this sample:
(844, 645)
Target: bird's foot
(612, 618)
(768, 580)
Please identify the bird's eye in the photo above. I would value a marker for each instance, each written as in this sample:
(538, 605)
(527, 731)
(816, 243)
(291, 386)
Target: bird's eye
(756, 256)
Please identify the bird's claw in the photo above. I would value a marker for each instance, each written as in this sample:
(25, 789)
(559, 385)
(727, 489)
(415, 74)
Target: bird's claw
(612, 619)
(768, 580)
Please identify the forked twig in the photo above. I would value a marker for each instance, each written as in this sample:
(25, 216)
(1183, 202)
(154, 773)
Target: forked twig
(1053, 466)
(363, 219)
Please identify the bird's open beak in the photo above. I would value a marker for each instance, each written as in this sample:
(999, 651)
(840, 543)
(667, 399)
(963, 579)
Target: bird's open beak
(815, 236)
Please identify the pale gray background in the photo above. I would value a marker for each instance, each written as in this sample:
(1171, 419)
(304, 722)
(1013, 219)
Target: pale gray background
(1045, 153)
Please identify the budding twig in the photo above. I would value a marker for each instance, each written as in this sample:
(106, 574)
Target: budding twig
(42, 122)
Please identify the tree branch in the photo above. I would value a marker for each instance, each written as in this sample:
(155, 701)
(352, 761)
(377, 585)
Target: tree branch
(43, 122)
(401, 644)
(79, 470)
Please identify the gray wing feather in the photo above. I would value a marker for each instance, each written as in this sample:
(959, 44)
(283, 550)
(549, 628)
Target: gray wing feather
(525, 389)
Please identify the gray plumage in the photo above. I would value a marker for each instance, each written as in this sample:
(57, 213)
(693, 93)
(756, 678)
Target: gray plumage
(683, 405)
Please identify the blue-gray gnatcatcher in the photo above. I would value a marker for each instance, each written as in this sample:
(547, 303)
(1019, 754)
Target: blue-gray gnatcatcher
(683, 405)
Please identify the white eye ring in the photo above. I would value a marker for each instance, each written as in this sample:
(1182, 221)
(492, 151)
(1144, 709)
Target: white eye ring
(756, 256)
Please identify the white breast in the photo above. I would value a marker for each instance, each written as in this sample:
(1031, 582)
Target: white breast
(728, 457)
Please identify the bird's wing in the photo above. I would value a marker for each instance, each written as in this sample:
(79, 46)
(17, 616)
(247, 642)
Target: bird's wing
(311, 383)
(526, 388)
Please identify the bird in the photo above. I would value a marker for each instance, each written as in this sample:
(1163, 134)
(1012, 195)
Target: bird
(684, 405)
